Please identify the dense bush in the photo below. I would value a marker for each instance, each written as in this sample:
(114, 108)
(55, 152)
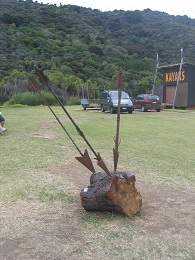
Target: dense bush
(50, 99)
(3, 98)
(34, 99)
(73, 101)
(27, 98)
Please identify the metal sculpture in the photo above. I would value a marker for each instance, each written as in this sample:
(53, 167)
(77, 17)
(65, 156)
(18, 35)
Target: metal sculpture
(108, 191)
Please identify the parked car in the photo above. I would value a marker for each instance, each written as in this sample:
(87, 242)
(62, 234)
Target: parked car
(147, 102)
(109, 101)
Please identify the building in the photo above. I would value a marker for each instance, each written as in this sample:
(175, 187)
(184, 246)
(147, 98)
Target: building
(185, 96)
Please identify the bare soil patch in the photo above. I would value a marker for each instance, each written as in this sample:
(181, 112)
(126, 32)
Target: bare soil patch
(34, 230)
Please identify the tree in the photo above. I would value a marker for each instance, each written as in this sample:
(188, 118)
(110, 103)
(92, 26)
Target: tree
(56, 78)
(16, 77)
(72, 84)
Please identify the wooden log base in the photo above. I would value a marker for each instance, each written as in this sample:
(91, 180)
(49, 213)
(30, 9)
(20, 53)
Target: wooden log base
(114, 194)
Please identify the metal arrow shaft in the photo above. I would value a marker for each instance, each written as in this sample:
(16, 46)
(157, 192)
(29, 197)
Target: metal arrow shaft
(36, 87)
(45, 80)
(84, 159)
(120, 81)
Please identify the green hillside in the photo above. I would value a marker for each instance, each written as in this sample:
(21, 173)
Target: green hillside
(79, 45)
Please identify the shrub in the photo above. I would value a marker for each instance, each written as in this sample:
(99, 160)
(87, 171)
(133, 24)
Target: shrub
(50, 99)
(34, 99)
(3, 98)
(14, 105)
(71, 101)
(10, 102)
(27, 98)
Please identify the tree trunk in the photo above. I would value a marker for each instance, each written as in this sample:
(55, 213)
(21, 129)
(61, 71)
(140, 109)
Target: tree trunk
(117, 193)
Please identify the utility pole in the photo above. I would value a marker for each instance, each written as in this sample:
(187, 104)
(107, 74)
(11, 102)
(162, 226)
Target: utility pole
(178, 78)
(155, 75)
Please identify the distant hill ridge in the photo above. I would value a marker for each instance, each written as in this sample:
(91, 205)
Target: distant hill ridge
(91, 44)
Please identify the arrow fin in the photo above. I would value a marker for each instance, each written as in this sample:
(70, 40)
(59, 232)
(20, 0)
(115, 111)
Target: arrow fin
(102, 164)
(86, 161)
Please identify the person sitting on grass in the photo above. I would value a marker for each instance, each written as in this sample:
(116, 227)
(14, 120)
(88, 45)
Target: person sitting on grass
(2, 122)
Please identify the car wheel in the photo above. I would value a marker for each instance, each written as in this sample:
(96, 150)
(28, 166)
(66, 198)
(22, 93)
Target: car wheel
(111, 110)
(157, 110)
(144, 109)
(102, 109)
(130, 111)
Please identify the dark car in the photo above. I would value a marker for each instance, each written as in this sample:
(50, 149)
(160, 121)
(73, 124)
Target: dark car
(147, 102)
(109, 101)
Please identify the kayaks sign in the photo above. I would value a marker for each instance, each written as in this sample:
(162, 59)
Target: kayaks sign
(173, 76)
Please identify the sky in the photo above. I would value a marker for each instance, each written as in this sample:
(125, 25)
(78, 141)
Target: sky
(172, 7)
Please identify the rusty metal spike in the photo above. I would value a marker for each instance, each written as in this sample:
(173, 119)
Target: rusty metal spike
(86, 161)
(102, 164)
(40, 74)
(116, 155)
(34, 84)
(120, 79)
(120, 83)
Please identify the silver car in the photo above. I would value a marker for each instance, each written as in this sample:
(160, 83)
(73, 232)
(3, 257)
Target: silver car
(109, 101)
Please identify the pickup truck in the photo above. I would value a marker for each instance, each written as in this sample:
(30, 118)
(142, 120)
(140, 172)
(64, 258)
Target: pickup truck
(147, 102)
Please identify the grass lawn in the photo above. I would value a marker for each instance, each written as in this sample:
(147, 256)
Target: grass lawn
(40, 181)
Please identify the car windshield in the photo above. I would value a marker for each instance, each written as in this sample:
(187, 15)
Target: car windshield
(114, 94)
(153, 98)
